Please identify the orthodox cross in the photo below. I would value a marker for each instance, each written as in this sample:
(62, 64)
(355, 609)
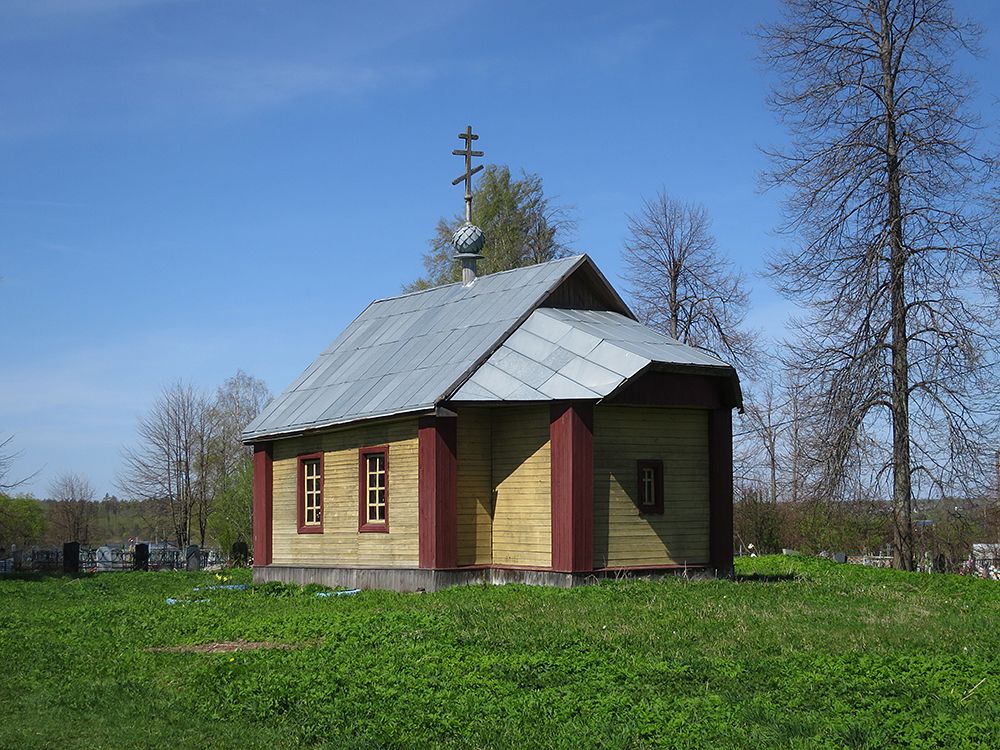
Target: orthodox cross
(468, 136)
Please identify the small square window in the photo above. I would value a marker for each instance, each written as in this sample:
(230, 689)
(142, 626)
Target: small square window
(310, 493)
(649, 486)
(373, 489)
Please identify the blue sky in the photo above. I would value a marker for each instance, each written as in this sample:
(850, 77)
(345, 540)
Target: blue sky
(192, 187)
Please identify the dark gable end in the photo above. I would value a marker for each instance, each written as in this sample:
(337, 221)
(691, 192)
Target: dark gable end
(587, 289)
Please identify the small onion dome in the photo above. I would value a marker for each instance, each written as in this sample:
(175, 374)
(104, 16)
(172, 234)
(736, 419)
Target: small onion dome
(468, 240)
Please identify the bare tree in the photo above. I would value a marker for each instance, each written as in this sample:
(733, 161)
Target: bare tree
(765, 422)
(74, 498)
(173, 462)
(680, 285)
(893, 254)
(7, 458)
(238, 401)
(190, 460)
(793, 455)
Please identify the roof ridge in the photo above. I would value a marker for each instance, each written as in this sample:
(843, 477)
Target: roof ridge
(578, 261)
(484, 276)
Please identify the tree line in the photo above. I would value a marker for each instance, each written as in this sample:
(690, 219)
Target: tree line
(188, 477)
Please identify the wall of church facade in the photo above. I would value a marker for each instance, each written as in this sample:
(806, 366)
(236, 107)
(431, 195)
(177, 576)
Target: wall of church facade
(340, 542)
(624, 435)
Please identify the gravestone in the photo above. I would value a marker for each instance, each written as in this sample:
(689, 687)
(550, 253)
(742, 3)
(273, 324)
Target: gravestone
(839, 557)
(193, 557)
(71, 557)
(141, 558)
(104, 559)
(240, 552)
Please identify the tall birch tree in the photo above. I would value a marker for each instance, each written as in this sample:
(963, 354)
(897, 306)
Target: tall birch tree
(893, 254)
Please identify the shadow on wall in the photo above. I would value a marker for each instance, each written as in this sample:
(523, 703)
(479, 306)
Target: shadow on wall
(521, 496)
(677, 536)
(680, 534)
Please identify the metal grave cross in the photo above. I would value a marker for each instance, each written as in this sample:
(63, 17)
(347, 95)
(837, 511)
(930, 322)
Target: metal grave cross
(468, 136)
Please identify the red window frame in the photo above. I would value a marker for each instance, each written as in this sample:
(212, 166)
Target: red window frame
(364, 525)
(657, 466)
(300, 473)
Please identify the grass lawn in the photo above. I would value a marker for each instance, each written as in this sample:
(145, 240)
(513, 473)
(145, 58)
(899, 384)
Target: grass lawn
(797, 653)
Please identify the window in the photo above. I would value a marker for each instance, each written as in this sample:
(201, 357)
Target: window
(310, 493)
(649, 486)
(373, 489)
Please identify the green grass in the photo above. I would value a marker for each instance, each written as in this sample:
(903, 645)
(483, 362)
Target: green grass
(796, 653)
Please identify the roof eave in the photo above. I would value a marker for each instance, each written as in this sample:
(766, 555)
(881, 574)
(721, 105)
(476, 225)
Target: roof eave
(249, 438)
(733, 391)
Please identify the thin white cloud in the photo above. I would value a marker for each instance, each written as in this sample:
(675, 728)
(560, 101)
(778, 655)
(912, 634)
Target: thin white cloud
(69, 76)
(178, 92)
(235, 87)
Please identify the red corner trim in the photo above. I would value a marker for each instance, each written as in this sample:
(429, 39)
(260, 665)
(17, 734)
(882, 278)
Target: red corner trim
(364, 527)
(300, 494)
(720, 490)
(571, 435)
(438, 493)
(263, 488)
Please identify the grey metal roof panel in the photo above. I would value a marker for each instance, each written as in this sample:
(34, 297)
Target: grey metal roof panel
(557, 358)
(523, 368)
(591, 375)
(430, 338)
(616, 359)
(559, 387)
(496, 381)
(525, 342)
(590, 353)
(476, 392)
(406, 354)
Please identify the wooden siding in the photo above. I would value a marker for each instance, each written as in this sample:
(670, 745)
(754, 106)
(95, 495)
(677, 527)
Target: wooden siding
(679, 438)
(522, 506)
(340, 543)
(475, 487)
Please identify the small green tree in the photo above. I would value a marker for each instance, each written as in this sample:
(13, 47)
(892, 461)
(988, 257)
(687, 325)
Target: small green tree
(22, 521)
(237, 402)
(521, 226)
(231, 520)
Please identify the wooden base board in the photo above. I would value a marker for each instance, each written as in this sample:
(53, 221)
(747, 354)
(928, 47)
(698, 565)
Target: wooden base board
(418, 579)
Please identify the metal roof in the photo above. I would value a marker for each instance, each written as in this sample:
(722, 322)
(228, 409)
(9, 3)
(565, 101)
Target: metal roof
(406, 354)
(489, 341)
(575, 354)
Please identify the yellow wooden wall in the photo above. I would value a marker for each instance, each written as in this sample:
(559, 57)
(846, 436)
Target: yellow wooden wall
(522, 506)
(678, 437)
(340, 543)
(475, 487)
(504, 485)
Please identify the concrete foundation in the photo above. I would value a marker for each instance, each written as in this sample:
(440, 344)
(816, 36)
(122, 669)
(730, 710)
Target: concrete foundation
(419, 579)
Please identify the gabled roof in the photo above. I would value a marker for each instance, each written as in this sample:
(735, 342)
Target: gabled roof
(408, 353)
(576, 354)
(556, 330)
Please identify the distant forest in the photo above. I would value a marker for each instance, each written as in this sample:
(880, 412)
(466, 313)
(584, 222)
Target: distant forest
(111, 520)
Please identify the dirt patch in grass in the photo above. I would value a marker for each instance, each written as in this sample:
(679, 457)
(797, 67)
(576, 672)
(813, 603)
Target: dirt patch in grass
(224, 647)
